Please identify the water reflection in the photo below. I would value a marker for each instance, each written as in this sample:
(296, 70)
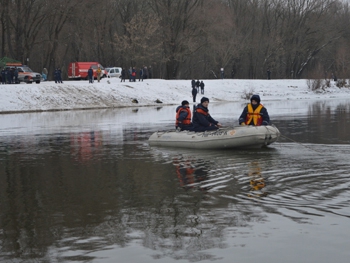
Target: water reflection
(94, 193)
(323, 124)
(85, 145)
(191, 173)
(257, 181)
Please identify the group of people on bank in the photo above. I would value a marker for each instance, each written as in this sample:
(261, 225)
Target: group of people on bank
(9, 75)
(144, 73)
(57, 74)
(253, 114)
(195, 88)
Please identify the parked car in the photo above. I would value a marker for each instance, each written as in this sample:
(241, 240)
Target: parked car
(25, 74)
(79, 70)
(114, 72)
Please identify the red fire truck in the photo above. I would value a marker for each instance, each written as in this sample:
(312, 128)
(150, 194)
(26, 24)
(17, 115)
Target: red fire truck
(79, 70)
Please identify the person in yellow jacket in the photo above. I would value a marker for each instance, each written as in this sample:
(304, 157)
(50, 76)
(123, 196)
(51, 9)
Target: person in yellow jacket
(98, 73)
(254, 113)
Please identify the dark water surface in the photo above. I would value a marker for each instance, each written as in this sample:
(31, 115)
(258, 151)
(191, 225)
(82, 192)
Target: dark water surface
(86, 187)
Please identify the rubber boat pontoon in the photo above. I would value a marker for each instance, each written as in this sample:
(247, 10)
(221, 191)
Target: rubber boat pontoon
(237, 137)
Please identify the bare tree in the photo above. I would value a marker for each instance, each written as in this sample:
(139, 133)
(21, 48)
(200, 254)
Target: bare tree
(179, 30)
(183, 38)
(24, 20)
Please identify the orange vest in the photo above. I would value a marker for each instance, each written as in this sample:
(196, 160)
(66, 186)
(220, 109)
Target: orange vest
(254, 115)
(205, 113)
(186, 121)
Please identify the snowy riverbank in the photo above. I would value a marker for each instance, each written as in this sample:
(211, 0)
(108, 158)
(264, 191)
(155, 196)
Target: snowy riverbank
(111, 93)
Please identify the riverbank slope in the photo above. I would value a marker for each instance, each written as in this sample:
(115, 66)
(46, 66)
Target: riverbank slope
(111, 93)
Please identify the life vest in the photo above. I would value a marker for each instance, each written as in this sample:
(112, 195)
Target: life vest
(254, 115)
(185, 173)
(186, 121)
(201, 111)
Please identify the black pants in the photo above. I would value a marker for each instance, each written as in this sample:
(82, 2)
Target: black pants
(194, 97)
(186, 127)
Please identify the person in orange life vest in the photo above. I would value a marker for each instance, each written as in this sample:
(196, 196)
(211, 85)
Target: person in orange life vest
(183, 116)
(202, 121)
(185, 172)
(254, 113)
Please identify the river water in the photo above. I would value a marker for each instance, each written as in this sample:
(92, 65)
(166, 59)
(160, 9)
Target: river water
(85, 186)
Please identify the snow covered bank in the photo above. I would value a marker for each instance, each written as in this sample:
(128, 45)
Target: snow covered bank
(111, 93)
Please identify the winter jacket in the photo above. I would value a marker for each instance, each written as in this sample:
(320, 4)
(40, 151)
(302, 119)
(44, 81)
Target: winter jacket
(202, 118)
(194, 91)
(183, 116)
(254, 115)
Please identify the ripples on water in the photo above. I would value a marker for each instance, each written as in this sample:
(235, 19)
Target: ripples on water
(290, 175)
(104, 195)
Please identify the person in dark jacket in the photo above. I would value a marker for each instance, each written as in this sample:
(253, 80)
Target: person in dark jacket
(3, 76)
(59, 76)
(133, 74)
(202, 121)
(254, 113)
(222, 73)
(150, 72)
(55, 75)
(145, 72)
(15, 74)
(90, 75)
(193, 83)
(10, 75)
(183, 117)
(202, 87)
(141, 74)
(123, 75)
(198, 83)
(194, 93)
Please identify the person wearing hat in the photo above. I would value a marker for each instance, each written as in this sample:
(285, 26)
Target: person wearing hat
(194, 92)
(254, 113)
(183, 117)
(202, 121)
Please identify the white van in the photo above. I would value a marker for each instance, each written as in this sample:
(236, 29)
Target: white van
(114, 72)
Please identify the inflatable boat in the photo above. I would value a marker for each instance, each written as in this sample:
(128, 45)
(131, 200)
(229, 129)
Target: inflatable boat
(227, 138)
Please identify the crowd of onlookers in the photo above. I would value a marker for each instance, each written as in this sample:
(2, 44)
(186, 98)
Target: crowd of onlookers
(57, 74)
(9, 75)
(132, 74)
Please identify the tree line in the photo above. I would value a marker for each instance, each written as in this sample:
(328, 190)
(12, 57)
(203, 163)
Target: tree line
(182, 39)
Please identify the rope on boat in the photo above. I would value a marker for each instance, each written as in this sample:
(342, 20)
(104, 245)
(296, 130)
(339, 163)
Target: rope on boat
(300, 144)
(294, 140)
